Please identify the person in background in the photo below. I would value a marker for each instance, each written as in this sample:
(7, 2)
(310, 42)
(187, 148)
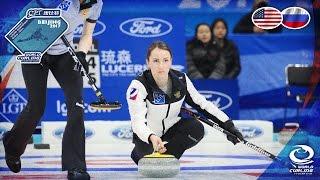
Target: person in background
(245, 25)
(201, 54)
(228, 65)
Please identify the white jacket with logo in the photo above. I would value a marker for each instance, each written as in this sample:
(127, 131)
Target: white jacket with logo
(154, 112)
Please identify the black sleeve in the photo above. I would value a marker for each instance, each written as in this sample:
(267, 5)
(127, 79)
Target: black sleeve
(91, 20)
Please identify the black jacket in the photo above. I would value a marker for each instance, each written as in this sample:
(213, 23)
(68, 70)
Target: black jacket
(229, 59)
(211, 61)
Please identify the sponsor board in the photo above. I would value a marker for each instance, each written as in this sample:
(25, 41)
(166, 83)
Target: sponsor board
(96, 132)
(222, 93)
(220, 99)
(62, 109)
(119, 64)
(58, 132)
(11, 106)
(122, 132)
(252, 130)
(146, 27)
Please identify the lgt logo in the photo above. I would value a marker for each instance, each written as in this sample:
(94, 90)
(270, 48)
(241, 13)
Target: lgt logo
(62, 109)
(12, 104)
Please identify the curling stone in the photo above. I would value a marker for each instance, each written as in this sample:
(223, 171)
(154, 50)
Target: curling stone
(158, 165)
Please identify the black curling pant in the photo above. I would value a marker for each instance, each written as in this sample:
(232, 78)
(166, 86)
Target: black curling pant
(35, 77)
(183, 135)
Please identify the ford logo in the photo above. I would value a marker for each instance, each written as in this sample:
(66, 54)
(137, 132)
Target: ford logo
(123, 132)
(2, 131)
(146, 27)
(249, 131)
(221, 100)
(58, 133)
(99, 29)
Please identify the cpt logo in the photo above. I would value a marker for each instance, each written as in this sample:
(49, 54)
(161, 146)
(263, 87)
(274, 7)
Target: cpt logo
(58, 133)
(12, 104)
(301, 160)
(146, 27)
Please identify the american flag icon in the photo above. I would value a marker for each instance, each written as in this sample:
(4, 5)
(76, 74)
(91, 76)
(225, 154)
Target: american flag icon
(267, 18)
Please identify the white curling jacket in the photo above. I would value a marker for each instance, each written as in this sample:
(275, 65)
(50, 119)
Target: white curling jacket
(154, 112)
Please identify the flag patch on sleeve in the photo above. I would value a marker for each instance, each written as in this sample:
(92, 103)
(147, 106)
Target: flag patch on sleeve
(133, 93)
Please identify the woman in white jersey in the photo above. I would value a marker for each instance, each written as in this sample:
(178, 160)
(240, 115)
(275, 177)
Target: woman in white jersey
(155, 98)
(58, 60)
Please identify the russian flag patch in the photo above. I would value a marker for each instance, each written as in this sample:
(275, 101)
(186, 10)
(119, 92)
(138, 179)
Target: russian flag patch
(133, 93)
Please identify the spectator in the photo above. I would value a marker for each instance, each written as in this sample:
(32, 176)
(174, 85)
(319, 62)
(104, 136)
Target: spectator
(228, 66)
(245, 25)
(201, 55)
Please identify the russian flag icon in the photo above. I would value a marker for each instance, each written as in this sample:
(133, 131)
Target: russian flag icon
(295, 18)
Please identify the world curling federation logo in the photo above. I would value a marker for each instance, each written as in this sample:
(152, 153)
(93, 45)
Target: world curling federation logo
(301, 160)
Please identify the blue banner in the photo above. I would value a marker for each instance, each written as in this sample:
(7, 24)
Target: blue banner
(223, 93)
